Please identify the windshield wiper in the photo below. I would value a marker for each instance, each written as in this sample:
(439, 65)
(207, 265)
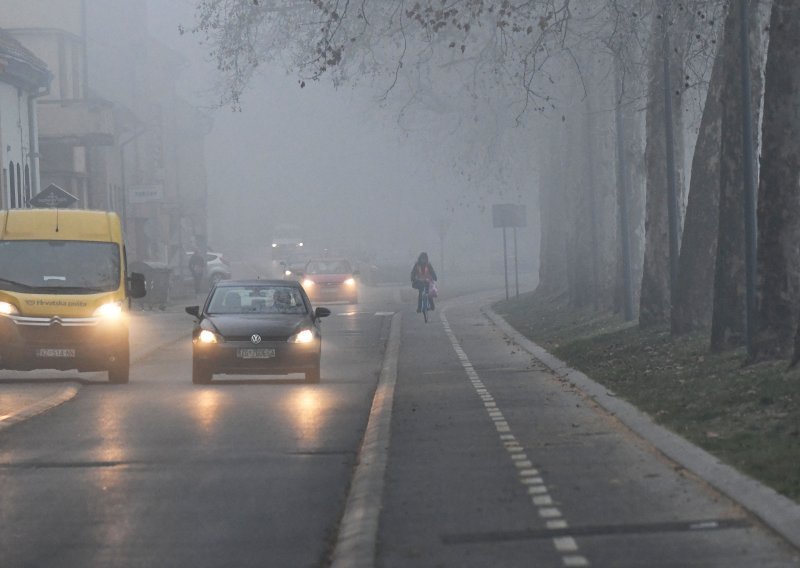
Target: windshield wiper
(20, 284)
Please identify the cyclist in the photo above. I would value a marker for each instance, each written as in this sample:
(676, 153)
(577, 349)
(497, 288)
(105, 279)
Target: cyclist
(422, 274)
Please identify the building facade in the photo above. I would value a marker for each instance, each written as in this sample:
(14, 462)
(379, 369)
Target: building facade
(23, 78)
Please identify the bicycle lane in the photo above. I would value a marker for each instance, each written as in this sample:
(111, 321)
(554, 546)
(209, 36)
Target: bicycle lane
(24, 395)
(495, 461)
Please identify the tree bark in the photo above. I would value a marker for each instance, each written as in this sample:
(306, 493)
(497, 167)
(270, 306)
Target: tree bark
(695, 288)
(778, 280)
(728, 316)
(654, 307)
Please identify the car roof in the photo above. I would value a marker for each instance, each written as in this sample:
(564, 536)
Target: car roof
(228, 283)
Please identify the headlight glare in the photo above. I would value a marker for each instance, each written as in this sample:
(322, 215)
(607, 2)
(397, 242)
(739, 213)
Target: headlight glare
(207, 336)
(109, 310)
(305, 336)
(308, 282)
(350, 282)
(7, 309)
(287, 272)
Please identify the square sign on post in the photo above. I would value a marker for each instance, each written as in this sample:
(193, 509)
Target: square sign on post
(509, 215)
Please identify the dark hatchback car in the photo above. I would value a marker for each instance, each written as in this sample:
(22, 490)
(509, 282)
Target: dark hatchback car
(257, 327)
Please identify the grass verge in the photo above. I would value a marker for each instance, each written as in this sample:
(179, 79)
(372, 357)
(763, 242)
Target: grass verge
(748, 416)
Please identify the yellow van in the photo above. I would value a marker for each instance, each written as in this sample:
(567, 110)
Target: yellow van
(64, 291)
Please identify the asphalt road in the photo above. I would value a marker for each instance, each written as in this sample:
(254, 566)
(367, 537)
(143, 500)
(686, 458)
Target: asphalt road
(491, 460)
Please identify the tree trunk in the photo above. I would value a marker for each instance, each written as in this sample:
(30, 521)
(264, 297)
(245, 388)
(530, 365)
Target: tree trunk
(695, 288)
(655, 300)
(728, 318)
(778, 288)
(554, 222)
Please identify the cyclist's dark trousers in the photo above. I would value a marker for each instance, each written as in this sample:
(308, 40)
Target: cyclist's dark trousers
(421, 285)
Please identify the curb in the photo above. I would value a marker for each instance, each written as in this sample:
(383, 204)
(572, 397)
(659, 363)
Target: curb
(778, 512)
(356, 541)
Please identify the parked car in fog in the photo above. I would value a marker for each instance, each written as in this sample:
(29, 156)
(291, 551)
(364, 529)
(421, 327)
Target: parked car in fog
(330, 279)
(256, 327)
(217, 268)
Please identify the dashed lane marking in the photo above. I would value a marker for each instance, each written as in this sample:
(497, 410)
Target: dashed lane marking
(529, 476)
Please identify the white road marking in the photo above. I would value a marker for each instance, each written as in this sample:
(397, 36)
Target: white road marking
(528, 475)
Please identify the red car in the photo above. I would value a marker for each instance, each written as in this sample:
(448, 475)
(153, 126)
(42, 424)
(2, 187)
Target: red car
(330, 279)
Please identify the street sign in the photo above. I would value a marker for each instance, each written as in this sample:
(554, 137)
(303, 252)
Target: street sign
(508, 215)
(53, 197)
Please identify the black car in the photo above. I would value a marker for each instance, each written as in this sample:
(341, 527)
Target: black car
(256, 327)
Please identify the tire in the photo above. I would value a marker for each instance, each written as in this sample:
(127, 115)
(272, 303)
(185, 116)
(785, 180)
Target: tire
(119, 371)
(201, 375)
(313, 375)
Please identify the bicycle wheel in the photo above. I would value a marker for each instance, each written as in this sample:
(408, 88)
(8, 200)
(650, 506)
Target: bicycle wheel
(425, 306)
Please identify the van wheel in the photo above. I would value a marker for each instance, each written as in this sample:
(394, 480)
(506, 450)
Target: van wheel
(119, 371)
(313, 375)
(200, 375)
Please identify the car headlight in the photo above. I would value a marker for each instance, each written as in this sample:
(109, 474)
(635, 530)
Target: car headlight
(350, 282)
(7, 309)
(111, 310)
(305, 336)
(287, 272)
(207, 336)
(274, 245)
(307, 282)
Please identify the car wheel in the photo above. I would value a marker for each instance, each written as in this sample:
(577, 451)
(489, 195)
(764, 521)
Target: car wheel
(313, 375)
(200, 375)
(119, 370)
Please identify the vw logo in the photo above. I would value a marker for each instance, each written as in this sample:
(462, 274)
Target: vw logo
(255, 338)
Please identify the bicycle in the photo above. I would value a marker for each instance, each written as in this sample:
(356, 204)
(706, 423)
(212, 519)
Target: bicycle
(425, 303)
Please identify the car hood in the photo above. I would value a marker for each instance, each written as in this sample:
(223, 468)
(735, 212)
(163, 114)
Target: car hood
(328, 278)
(272, 325)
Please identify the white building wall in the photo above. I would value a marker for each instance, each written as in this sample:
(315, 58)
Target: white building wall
(16, 148)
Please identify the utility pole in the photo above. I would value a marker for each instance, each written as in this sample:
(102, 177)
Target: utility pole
(122, 177)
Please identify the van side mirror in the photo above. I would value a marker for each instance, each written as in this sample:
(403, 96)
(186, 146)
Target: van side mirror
(193, 311)
(136, 285)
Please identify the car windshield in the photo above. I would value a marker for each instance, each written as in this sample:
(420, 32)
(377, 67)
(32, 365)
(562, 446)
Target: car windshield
(328, 267)
(257, 300)
(75, 267)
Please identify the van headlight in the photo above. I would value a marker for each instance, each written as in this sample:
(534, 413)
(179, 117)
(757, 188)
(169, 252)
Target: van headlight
(7, 309)
(305, 336)
(111, 310)
(207, 337)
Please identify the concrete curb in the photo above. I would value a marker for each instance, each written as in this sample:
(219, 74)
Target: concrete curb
(356, 542)
(776, 511)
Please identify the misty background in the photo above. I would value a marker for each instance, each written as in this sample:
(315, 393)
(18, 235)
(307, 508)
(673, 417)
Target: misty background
(358, 173)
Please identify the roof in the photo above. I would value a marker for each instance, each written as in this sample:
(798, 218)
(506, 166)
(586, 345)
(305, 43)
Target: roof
(60, 225)
(226, 283)
(21, 65)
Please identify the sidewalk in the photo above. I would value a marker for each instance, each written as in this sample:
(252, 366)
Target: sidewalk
(24, 395)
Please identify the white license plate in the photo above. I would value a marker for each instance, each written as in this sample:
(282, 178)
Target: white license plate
(56, 353)
(255, 353)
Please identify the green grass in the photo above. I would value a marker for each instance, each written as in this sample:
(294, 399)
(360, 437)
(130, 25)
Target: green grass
(748, 416)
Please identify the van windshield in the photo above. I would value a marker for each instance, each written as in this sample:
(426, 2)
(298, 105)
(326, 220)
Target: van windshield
(47, 267)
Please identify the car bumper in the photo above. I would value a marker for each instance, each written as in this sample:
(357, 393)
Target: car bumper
(226, 357)
(84, 344)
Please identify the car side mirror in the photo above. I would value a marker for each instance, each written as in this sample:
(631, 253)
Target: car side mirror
(193, 311)
(136, 285)
(321, 313)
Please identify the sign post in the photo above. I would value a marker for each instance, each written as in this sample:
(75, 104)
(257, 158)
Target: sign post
(509, 215)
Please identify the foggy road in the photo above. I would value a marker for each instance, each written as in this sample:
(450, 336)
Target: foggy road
(492, 462)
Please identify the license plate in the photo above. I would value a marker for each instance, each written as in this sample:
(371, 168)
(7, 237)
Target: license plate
(56, 353)
(255, 353)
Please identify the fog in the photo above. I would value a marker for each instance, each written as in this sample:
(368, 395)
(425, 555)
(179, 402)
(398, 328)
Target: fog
(358, 173)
